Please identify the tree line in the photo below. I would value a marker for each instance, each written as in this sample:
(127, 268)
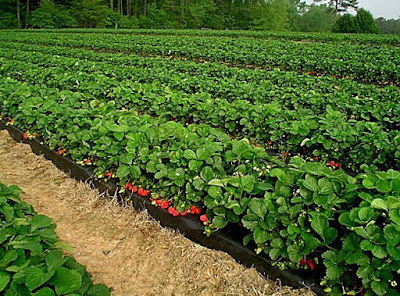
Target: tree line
(271, 15)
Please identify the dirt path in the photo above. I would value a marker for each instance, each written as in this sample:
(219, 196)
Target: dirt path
(122, 248)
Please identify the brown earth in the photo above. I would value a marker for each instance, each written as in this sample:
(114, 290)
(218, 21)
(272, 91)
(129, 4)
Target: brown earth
(122, 248)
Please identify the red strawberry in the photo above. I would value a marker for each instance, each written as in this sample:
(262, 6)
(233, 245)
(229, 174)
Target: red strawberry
(25, 136)
(315, 158)
(128, 186)
(175, 213)
(286, 154)
(164, 204)
(158, 202)
(152, 199)
(337, 165)
(203, 218)
(134, 189)
(184, 213)
(331, 163)
(310, 264)
(60, 152)
(145, 193)
(171, 210)
(108, 174)
(195, 210)
(303, 262)
(171, 118)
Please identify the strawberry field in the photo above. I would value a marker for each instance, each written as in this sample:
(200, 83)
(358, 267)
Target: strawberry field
(296, 150)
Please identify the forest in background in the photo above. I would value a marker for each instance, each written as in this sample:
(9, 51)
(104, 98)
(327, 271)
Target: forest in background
(268, 15)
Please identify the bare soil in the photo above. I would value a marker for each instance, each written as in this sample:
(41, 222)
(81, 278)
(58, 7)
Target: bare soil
(123, 248)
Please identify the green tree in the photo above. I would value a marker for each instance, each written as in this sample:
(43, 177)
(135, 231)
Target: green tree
(365, 22)
(345, 24)
(270, 16)
(339, 6)
(155, 18)
(90, 13)
(390, 26)
(49, 15)
(317, 18)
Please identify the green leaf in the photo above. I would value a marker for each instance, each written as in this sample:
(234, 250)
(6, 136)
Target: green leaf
(66, 280)
(35, 277)
(9, 257)
(123, 171)
(214, 191)
(319, 224)
(40, 221)
(98, 290)
(207, 173)
(216, 182)
(189, 154)
(380, 288)
(369, 183)
(247, 183)
(260, 235)
(258, 207)
(4, 280)
(379, 203)
(202, 154)
(54, 260)
(8, 212)
(219, 222)
(250, 221)
(294, 254)
(274, 254)
(325, 187)
(379, 252)
(383, 186)
(365, 214)
(311, 184)
(44, 292)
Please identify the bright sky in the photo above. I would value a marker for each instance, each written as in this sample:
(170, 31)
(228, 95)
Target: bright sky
(385, 8)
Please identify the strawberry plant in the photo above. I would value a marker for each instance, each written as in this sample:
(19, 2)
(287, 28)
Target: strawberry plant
(32, 260)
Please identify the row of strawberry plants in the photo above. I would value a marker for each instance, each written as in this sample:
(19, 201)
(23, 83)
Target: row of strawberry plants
(347, 60)
(31, 257)
(289, 89)
(296, 36)
(294, 211)
(296, 131)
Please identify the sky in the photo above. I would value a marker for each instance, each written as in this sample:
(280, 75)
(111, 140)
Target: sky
(380, 8)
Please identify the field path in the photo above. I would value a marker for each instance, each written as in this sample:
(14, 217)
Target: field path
(122, 248)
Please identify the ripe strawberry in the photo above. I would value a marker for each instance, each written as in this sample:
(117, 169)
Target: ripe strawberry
(128, 186)
(331, 163)
(195, 210)
(310, 264)
(315, 158)
(25, 136)
(108, 174)
(337, 165)
(203, 218)
(158, 202)
(134, 189)
(175, 213)
(286, 154)
(145, 193)
(184, 213)
(171, 210)
(164, 204)
(140, 191)
(303, 262)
